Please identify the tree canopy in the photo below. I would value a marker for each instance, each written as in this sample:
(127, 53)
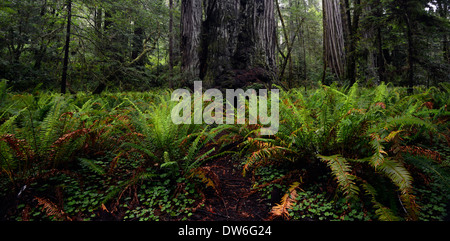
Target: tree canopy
(136, 45)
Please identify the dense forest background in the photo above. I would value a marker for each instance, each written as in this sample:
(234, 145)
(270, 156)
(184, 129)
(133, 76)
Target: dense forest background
(86, 130)
(136, 45)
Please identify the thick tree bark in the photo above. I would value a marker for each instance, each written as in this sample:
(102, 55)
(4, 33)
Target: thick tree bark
(334, 41)
(352, 55)
(191, 22)
(238, 44)
(350, 24)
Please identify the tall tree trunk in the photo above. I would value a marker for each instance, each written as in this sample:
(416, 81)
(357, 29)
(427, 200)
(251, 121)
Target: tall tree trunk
(381, 65)
(446, 49)
(289, 39)
(443, 9)
(66, 48)
(409, 34)
(350, 27)
(352, 55)
(334, 42)
(138, 45)
(98, 21)
(368, 45)
(191, 22)
(238, 45)
(39, 53)
(171, 43)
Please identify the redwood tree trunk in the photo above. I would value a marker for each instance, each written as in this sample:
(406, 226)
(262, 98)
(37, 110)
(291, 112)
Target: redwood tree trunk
(237, 44)
(334, 39)
(191, 20)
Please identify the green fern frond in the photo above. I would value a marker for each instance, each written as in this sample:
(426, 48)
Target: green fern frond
(92, 166)
(144, 150)
(264, 151)
(195, 146)
(341, 169)
(409, 121)
(7, 125)
(381, 92)
(141, 120)
(353, 93)
(397, 173)
(433, 169)
(199, 160)
(384, 213)
(3, 91)
(378, 158)
(49, 128)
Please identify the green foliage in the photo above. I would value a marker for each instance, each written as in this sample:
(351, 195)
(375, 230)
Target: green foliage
(369, 153)
(313, 206)
(109, 39)
(173, 147)
(114, 142)
(358, 133)
(342, 171)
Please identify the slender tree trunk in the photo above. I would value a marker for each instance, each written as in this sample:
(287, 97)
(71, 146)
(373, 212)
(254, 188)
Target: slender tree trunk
(98, 29)
(138, 45)
(380, 57)
(446, 50)
(443, 9)
(39, 53)
(66, 48)
(409, 34)
(305, 62)
(379, 42)
(171, 43)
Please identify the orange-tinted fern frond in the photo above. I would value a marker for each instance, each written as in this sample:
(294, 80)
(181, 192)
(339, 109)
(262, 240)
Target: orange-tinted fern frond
(207, 176)
(420, 151)
(262, 154)
(20, 147)
(287, 202)
(52, 209)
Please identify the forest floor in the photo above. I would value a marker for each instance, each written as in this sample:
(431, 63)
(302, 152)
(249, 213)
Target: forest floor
(118, 158)
(233, 199)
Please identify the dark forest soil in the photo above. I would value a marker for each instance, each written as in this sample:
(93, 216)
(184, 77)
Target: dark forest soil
(233, 199)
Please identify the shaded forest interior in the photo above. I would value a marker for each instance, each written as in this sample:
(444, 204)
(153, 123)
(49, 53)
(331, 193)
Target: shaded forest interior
(123, 45)
(85, 110)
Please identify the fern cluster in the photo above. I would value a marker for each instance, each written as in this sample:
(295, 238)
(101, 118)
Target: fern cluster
(357, 133)
(166, 144)
(375, 146)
